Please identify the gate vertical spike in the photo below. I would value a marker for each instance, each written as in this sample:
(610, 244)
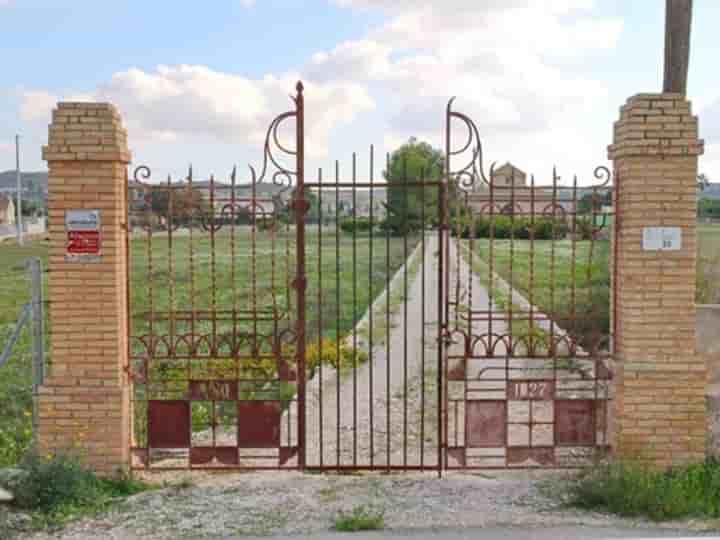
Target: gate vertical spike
(371, 307)
(213, 290)
(573, 263)
(301, 278)
(233, 279)
(387, 316)
(354, 303)
(171, 271)
(531, 283)
(422, 317)
(407, 227)
(320, 317)
(337, 310)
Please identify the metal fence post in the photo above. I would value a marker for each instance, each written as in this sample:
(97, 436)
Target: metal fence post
(38, 322)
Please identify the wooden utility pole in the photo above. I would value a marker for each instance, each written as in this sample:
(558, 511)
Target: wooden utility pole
(678, 18)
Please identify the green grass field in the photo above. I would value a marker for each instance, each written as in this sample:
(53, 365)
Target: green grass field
(249, 274)
(708, 270)
(575, 295)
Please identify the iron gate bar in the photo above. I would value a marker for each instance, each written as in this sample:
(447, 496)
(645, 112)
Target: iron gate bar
(354, 300)
(301, 277)
(320, 318)
(387, 323)
(337, 308)
(371, 350)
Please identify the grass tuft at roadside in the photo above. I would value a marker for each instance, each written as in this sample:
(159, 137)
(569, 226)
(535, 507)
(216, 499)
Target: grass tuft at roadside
(636, 490)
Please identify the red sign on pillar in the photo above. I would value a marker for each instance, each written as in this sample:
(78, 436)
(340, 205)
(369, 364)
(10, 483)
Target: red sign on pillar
(83, 236)
(83, 242)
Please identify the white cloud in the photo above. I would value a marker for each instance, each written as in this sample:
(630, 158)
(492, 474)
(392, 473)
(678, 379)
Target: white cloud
(512, 64)
(175, 102)
(710, 122)
(463, 6)
(709, 119)
(492, 55)
(351, 60)
(247, 3)
(37, 105)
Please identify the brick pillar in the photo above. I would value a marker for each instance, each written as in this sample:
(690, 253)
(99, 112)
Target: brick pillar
(84, 402)
(659, 409)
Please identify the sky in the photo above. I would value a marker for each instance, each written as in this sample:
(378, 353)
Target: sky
(198, 82)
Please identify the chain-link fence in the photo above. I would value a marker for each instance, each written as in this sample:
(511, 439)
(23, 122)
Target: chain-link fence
(22, 345)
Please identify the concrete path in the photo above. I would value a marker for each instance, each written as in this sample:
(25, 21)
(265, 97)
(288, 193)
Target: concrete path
(350, 415)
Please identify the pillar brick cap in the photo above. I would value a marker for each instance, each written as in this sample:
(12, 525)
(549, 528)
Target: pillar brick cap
(82, 131)
(656, 124)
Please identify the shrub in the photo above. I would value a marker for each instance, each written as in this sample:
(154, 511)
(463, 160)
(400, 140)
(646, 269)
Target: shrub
(359, 224)
(502, 227)
(326, 352)
(396, 226)
(584, 228)
(58, 487)
(635, 490)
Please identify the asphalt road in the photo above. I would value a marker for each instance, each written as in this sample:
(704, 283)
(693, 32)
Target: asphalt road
(507, 533)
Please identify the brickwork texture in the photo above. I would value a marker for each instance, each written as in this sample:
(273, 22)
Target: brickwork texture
(84, 405)
(659, 405)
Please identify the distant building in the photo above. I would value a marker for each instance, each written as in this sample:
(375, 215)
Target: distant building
(511, 195)
(710, 190)
(348, 202)
(7, 210)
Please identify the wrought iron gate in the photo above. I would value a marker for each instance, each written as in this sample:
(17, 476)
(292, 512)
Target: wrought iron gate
(346, 323)
(527, 316)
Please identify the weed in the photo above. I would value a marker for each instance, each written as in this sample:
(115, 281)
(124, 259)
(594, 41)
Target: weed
(360, 518)
(328, 494)
(632, 490)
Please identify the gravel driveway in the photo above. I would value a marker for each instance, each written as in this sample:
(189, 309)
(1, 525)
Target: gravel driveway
(235, 506)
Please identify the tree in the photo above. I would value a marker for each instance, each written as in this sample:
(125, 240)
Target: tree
(414, 162)
(709, 208)
(32, 208)
(181, 206)
(594, 201)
